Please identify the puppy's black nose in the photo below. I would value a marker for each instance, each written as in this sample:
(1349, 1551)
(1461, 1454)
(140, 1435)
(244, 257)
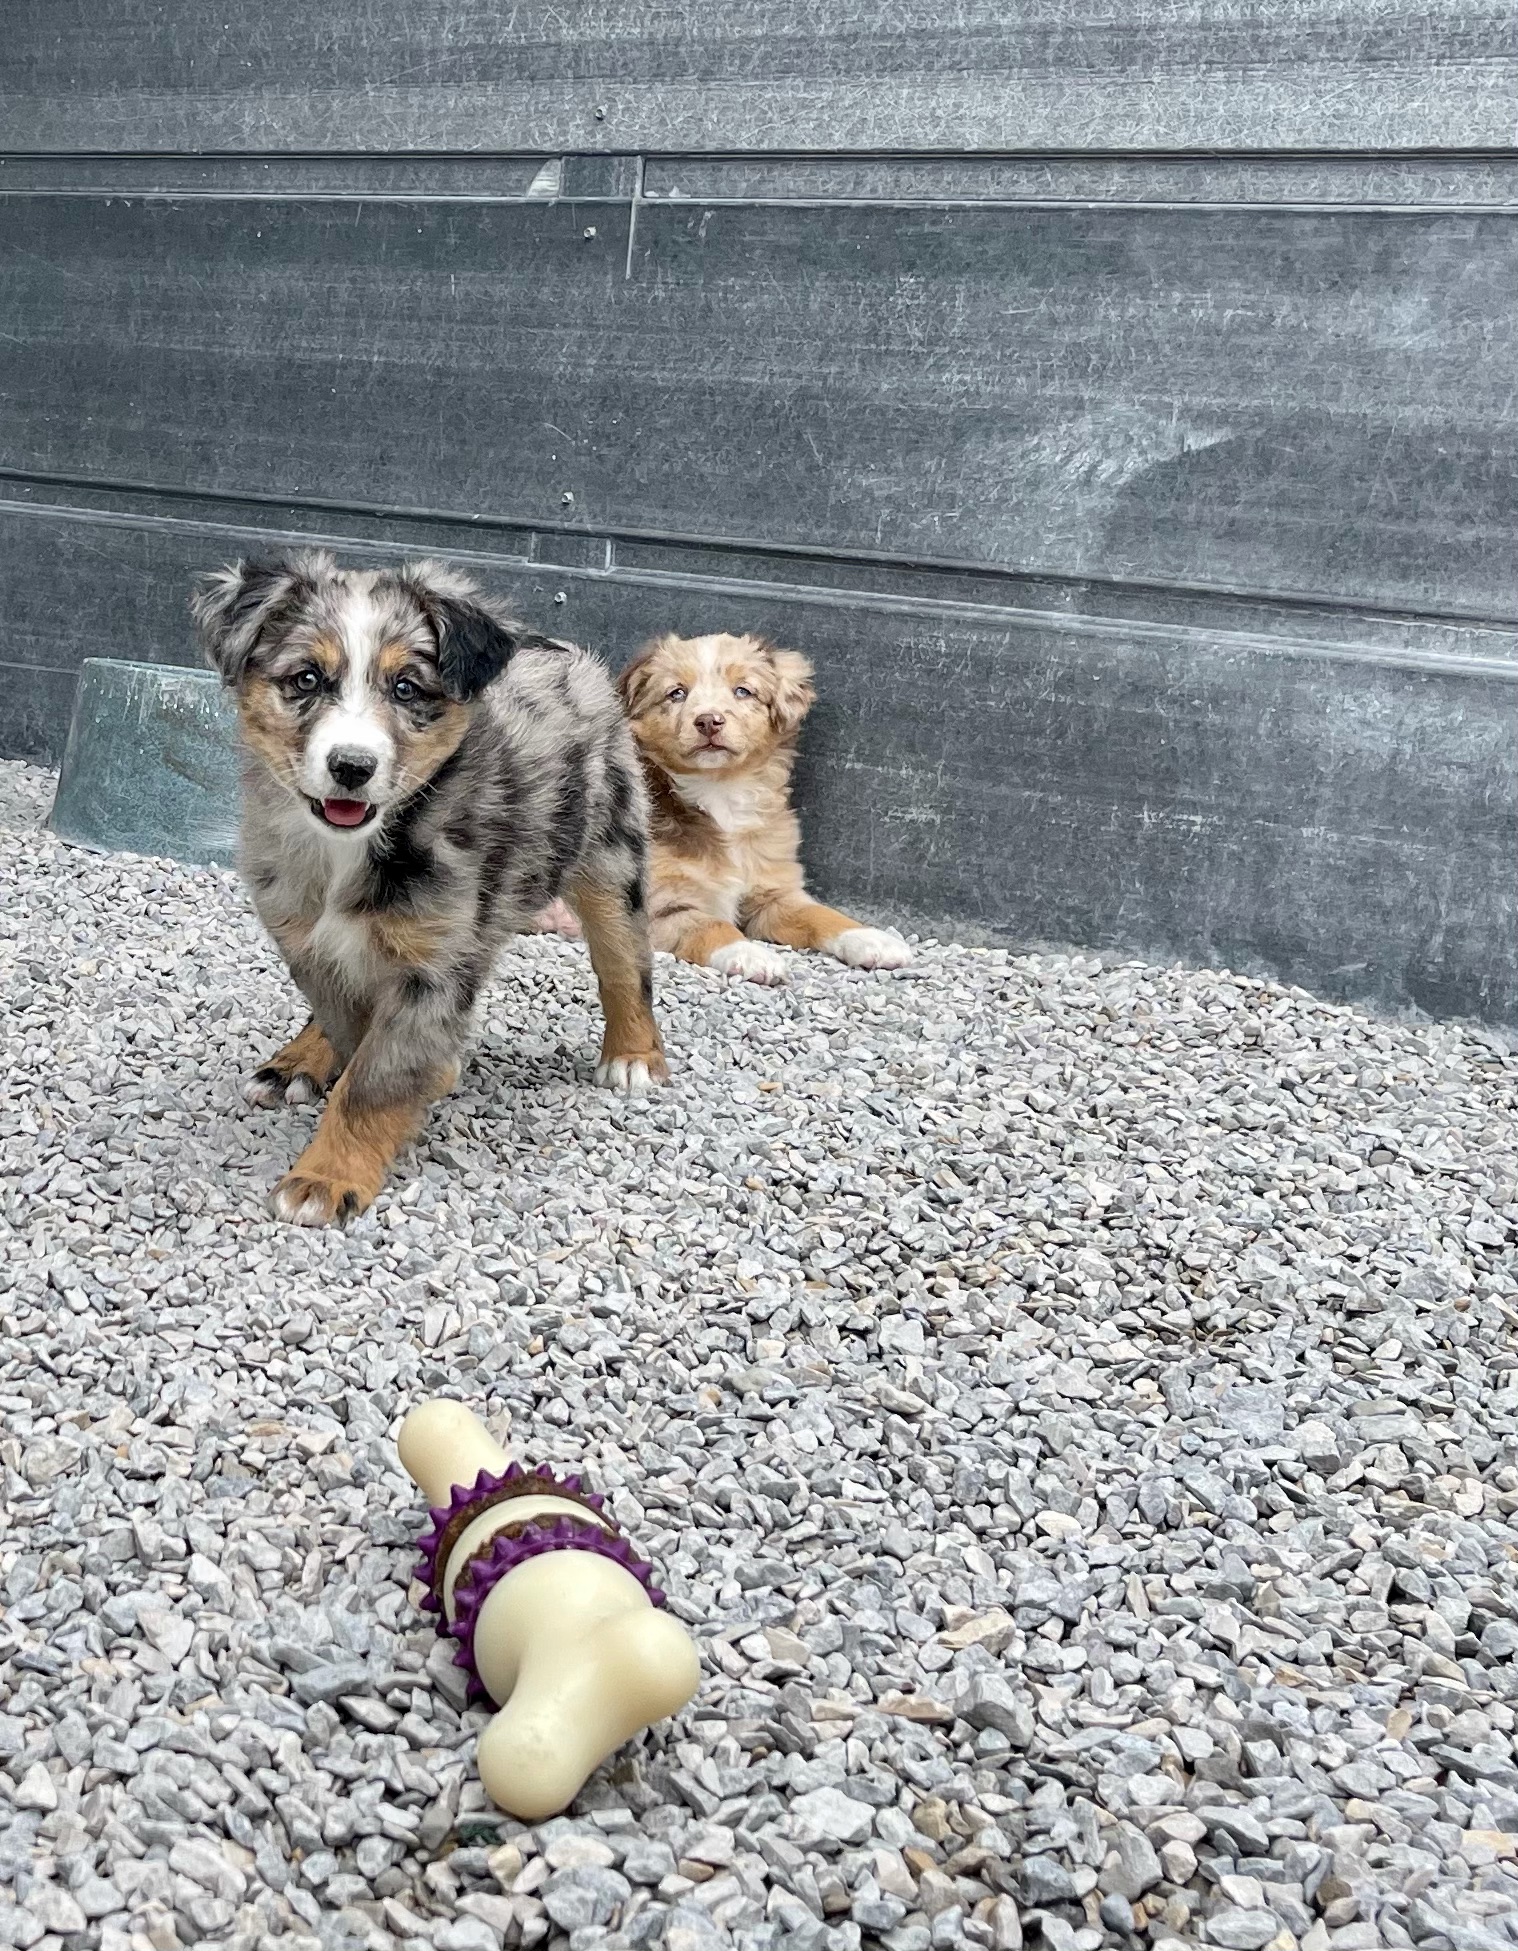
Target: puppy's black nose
(709, 722)
(351, 767)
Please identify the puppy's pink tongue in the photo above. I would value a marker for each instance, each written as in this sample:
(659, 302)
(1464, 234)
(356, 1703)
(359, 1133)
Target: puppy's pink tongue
(345, 812)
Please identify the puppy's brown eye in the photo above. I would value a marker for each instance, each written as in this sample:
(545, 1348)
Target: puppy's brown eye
(404, 691)
(305, 682)
(742, 691)
(677, 696)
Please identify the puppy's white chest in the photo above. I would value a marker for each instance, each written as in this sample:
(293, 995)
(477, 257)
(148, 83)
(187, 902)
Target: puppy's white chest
(343, 943)
(731, 804)
(340, 939)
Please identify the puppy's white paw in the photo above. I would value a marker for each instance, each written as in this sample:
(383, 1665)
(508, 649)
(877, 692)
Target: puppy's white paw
(300, 1205)
(756, 961)
(267, 1088)
(318, 1199)
(870, 948)
(632, 1075)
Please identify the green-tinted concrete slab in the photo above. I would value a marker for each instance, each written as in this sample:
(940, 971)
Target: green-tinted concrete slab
(151, 764)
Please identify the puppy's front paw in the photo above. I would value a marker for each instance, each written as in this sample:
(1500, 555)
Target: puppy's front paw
(264, 1089)
(756, 961)
(309, 1199)
(297, 1074)
(870, 948)
(634, 1073)
(268, 1087)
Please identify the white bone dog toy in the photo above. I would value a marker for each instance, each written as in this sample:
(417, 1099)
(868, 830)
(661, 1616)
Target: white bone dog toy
(556, 1619)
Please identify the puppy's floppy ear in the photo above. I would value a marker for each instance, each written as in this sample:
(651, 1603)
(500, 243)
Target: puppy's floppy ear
(793, 696)
(473, 646)
(234, 605)
(634, 685)
(474, 642)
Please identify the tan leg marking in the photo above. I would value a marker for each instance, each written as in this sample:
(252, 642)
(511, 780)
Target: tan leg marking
(341, 1171)
(631, 1052)
(802, 923)
(695, 938)
(798, 923)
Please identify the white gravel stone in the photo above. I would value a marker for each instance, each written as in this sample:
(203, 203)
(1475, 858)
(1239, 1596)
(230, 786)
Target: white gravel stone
(1074, 1403)
(54, 1909)
(826, 1816)
(19, 1927)
(36, 1789)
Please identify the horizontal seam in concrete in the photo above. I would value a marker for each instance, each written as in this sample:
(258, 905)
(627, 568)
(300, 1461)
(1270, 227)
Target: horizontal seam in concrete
(1307, 153)
(135, 193)
(1196, 205)
(1430, 663)
(1298, 601)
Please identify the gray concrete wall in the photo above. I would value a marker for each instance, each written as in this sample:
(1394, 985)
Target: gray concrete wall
(1148, 512)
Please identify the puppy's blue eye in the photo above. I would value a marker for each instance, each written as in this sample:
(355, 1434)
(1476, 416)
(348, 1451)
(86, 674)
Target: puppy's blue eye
(742, 691)
(404, 691)
(677, 696)
(306, 682)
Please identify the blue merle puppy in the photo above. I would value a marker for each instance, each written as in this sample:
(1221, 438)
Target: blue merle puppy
(421, 776)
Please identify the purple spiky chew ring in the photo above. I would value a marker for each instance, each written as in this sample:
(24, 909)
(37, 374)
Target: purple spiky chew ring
(511, 1546)
(466, 1502)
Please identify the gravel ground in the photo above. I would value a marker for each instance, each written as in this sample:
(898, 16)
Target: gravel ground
(1074, 1403)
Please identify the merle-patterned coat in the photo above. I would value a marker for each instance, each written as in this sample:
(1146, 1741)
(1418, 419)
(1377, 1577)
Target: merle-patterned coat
(422, 776)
